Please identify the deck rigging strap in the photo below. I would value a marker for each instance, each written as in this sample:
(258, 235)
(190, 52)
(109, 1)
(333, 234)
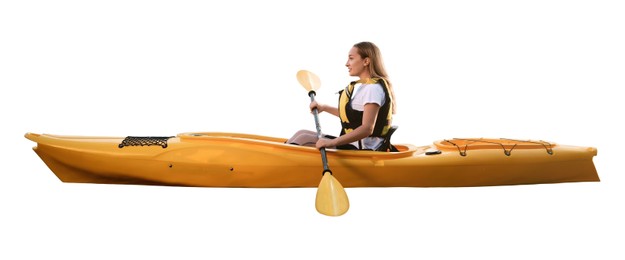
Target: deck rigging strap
(548, 146)
(463, 152)
(145, 141)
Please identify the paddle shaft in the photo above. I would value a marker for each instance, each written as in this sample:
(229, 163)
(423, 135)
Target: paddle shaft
(324, 157)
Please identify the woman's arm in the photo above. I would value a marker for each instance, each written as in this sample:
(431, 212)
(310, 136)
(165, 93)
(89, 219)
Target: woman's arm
(369, 116)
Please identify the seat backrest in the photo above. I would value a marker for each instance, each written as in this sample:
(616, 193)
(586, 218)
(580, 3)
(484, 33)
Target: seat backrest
(386, 144)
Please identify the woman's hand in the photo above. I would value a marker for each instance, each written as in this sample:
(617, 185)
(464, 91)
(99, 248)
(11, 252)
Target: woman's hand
(325, 142)
(314, 105)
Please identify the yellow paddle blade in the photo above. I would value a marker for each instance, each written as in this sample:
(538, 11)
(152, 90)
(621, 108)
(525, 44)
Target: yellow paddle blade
(308, 80)
(331, 197)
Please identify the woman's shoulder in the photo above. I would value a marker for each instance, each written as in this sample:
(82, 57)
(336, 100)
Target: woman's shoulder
(377, 87)
(373, 92)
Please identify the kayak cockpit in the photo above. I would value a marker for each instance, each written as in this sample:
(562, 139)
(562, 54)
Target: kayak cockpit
(404, 150)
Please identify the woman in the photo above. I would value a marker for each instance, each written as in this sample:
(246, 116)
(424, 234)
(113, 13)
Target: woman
(365, 106)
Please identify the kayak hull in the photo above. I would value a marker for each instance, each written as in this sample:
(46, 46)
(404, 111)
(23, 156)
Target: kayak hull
(241, 160)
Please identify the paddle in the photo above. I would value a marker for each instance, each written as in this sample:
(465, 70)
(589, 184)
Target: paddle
(331, 198)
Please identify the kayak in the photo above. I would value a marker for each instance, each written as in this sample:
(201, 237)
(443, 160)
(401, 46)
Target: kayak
(217, 159)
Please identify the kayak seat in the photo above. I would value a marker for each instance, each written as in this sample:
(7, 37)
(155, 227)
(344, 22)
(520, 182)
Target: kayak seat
(386, 144)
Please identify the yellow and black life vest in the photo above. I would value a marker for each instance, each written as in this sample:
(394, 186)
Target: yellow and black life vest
(351, 118)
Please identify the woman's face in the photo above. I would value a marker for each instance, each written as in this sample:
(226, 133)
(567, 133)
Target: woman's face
(356, 65)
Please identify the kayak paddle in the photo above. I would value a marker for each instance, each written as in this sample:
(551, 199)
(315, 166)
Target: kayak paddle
(331, 197)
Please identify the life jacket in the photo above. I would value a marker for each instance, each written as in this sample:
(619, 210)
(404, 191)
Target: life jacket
(351, 118)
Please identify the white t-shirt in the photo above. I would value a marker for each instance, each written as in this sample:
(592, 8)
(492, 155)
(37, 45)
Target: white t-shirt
(366, 94)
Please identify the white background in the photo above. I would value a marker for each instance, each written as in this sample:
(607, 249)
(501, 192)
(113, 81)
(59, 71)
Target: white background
(547, 70)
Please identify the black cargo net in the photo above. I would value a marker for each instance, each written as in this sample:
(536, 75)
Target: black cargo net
(145, 141)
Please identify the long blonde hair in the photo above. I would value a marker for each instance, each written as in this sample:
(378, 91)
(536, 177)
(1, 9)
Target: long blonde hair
(376, 70)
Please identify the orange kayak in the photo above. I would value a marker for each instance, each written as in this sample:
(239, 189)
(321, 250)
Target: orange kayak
(211, 159)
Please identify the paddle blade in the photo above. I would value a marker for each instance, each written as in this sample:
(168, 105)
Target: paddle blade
(308, 80)
(331, 197)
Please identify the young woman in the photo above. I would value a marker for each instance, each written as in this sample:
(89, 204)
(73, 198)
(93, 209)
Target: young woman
(365, 107)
